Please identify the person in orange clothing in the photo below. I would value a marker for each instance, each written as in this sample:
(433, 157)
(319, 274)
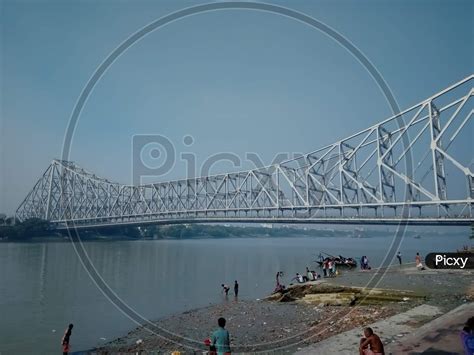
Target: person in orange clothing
(419, 264)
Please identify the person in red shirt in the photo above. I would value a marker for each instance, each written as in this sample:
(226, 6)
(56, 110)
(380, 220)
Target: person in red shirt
(66, 338)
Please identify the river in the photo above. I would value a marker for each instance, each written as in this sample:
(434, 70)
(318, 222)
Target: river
(44, 287)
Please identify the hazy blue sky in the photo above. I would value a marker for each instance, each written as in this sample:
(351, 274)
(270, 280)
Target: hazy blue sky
(237, 81)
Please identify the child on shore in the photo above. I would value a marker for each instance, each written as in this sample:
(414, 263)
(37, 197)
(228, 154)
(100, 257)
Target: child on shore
(220, 339)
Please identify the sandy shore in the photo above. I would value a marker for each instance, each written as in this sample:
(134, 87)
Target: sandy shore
(288, 327)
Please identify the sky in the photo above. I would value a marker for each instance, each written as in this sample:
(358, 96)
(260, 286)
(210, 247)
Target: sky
(235, 81)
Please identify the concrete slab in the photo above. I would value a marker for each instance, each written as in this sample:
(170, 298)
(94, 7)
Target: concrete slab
(389, 330)
(441, 336)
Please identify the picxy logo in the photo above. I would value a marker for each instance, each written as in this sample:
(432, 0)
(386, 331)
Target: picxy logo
(450, 261)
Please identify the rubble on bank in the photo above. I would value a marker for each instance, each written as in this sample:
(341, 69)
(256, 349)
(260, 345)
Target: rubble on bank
(325, 294)
(306, 313)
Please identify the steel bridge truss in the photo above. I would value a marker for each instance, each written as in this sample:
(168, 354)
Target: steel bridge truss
(415, 167)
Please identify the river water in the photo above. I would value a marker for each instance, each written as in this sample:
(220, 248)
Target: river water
(44, 287)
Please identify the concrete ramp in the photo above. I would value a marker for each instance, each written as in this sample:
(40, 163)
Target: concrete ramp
(391, 330)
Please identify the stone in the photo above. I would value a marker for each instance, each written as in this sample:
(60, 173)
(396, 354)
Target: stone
(333, 299)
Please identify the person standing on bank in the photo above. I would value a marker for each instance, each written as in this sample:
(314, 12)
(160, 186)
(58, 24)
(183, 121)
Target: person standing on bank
(66, 338)
(399, 257)
(419, 264)
(236, 288)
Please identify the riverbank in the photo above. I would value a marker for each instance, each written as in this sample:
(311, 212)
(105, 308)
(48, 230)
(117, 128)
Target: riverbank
(43, 231)
(286, 327)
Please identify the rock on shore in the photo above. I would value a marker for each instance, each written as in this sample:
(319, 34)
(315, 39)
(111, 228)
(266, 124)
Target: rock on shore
(326, 294)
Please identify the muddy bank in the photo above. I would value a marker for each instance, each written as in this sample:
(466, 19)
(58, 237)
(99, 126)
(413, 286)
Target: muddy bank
(256, 325)
(309, 314)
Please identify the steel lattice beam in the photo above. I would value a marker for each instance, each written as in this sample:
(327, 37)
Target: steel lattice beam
(363, 178)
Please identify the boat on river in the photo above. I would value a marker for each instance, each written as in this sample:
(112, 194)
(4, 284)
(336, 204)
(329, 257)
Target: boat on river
(340, 260)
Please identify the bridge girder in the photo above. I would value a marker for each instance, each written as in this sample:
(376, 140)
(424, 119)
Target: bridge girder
(364, 178)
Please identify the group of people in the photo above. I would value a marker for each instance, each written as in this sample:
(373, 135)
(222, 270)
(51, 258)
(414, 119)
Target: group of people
(364, 261)
(219, 343)
(418, 260)
(311, 275)
(329, 267)
(225, 289)
(370, 343)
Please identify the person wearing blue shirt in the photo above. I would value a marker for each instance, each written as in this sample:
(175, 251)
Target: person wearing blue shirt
(467, 337)
(221, 339)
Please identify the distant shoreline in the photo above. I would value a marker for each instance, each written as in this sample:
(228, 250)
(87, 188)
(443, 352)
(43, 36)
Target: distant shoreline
(218, 232)
(165, 232)
(43, 231)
